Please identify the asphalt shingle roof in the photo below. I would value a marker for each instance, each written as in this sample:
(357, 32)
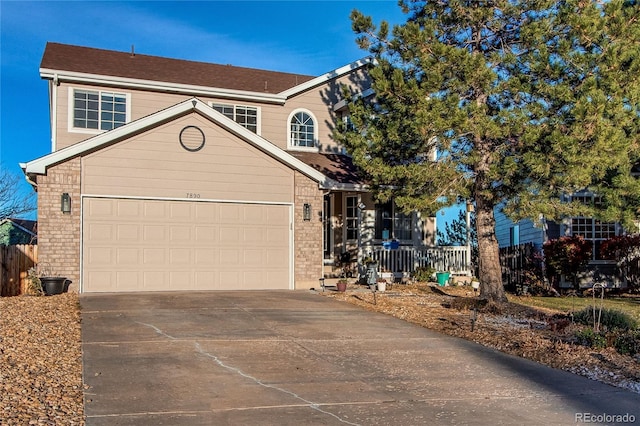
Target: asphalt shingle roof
(64, 57)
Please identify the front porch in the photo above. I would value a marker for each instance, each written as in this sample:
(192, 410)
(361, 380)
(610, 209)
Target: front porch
(357, 228)
(403, 261)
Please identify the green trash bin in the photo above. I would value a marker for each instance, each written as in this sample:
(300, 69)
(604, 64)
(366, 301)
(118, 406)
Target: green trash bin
(442, 278)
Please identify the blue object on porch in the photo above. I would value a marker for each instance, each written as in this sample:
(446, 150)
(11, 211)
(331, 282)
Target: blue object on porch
(391, 245)
(442, 278)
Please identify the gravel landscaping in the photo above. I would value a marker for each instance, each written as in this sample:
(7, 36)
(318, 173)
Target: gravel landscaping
(40, 361)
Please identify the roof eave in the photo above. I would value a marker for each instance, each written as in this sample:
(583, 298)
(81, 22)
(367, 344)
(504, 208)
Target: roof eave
(167, 87)
(337, 73)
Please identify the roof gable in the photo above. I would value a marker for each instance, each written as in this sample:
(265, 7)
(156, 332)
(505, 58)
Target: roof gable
(40, 165)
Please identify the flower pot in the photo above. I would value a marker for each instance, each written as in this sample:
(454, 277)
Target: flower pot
(342, 286)
(382, 286)
(53, 285)
(442, 278)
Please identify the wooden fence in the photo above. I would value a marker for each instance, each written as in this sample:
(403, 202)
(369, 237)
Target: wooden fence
(519, 266)
(15, 262)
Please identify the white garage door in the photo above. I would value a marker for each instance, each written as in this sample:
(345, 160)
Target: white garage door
(159, 245)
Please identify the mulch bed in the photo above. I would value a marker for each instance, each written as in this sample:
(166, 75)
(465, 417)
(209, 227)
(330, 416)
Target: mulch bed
(40, 361)
(540, 335)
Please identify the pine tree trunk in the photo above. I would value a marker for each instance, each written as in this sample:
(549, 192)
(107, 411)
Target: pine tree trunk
(491, 287)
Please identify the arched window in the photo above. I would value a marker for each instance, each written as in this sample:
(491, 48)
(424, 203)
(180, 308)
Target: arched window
(302, 130)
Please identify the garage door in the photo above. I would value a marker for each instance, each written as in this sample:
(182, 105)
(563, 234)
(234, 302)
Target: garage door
(159, 245)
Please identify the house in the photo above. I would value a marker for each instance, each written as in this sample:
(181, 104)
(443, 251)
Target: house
(511, 234)
(18, 231)
(169, 174)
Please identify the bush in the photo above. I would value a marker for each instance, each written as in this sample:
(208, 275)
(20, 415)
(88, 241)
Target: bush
(610, 319)
(423, 274)
(627, 342)
(588, 337)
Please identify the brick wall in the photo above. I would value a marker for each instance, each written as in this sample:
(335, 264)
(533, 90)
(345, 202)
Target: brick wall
(308, 234)
(59, 233)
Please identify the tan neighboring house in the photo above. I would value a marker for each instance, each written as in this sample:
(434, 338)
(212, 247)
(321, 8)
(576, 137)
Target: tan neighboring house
(168, 174)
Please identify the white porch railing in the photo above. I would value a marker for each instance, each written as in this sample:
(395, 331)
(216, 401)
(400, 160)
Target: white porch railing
(455, 259)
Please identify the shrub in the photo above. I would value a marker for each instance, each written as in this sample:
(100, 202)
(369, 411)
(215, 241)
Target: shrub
(567, 256)
(627, 342)
(588, 337)
(423, 273)
(610, 319)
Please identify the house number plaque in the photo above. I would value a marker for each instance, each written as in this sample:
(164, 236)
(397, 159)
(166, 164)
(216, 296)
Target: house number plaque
(192, 138)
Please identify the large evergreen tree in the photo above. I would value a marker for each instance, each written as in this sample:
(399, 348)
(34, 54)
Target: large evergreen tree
(522, 102)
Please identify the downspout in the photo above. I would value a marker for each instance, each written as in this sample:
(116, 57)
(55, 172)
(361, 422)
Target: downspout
(53, 110)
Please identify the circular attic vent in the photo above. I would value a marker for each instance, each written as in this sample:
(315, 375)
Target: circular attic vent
(192, 138)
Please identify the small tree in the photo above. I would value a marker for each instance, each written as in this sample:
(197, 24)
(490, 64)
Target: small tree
(13, 201)
(567, 256)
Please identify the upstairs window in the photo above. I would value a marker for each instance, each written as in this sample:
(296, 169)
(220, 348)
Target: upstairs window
(245, 116)
(98, 110)
(302, 130)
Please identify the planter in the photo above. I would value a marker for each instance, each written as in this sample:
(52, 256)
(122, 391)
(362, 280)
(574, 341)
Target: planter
(382, 286)
(54, 285)
(391, 245)
(342, 286)
(442, 278)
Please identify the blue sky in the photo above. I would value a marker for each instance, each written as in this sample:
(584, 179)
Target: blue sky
(306, 37)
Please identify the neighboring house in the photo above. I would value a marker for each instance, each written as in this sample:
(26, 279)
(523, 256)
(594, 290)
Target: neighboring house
(169, 174)
(18, 231)
(596, 231)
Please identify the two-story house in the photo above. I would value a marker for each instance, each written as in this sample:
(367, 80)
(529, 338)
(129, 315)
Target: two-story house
(169, 174)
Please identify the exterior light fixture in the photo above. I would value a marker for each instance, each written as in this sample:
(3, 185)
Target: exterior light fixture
(306, 212)
(65, 203)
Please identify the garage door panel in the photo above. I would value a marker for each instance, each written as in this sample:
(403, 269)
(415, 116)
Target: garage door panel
(128, 208)
(154, 256)
(154, 245)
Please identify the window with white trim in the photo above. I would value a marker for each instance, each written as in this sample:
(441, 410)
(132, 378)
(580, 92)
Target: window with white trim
(98, 110)
(592, 229)
(393, 223)
(351, 217)
(302, 130)
(246, 116)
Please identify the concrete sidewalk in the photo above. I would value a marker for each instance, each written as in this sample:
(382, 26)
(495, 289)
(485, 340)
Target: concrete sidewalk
(296, 358)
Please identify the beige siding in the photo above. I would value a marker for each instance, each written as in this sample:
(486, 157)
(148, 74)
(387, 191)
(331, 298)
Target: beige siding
(154, 164)
(273, 118)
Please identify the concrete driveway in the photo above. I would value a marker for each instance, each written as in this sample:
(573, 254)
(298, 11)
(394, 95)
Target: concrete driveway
(296, 358)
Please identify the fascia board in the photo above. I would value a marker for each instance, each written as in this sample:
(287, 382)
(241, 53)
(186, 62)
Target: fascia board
(39, 165)
(75, 77)
(326, 77)
(343, 103)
